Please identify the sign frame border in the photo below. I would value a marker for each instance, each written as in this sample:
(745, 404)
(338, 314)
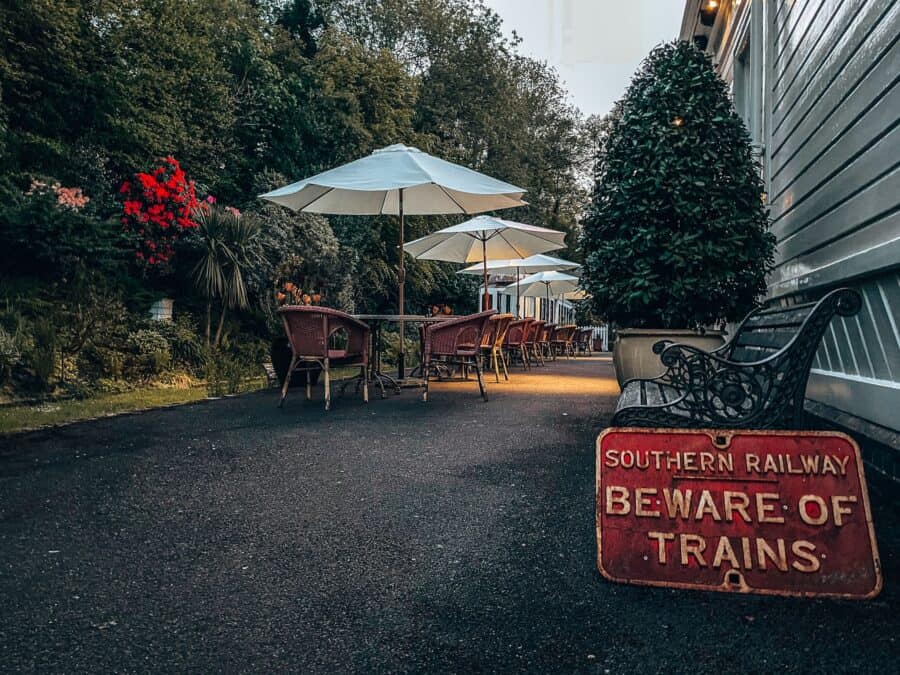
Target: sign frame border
(743, 589)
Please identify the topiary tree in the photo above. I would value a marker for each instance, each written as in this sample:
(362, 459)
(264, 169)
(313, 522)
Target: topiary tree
(676, 234)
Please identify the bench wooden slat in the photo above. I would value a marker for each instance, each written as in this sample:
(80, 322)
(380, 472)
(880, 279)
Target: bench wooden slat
(630, 396)
(773, 338)
(645, 392)
(748, 354)
(781, 317)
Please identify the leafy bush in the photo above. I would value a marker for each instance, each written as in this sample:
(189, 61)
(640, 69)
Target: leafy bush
(391, 344)
(150, 353)
(236, 367)
(676, 234)
(44, 233)
(42, 356)
(9, 354)
(301, 248)
(185, 345)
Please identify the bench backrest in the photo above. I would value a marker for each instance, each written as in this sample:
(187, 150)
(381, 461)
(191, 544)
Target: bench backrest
(766, 333)
(781, 342)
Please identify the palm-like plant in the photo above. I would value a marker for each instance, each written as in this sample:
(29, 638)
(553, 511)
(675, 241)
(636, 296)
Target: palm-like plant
(227, 249)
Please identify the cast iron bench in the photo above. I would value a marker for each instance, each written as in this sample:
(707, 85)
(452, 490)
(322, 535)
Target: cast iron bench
(756, 380)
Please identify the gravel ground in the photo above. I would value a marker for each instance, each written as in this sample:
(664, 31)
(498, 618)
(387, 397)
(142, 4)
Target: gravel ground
(400, 536)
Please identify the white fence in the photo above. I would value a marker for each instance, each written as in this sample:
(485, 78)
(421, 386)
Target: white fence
(599, 333)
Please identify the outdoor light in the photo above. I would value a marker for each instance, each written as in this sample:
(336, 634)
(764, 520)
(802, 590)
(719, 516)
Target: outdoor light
(708, 12)
(677, 121)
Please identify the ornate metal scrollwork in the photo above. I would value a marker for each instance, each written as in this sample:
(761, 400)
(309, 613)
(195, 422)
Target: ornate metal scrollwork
(717, 392)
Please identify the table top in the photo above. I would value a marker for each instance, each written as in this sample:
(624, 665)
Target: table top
(411, 318)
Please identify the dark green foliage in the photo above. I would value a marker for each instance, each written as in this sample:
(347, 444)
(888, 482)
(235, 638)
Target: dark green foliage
(677, 233)
(43, 354)
(9, 354)
(247, 95)
(148, 353)
(183, 340)
(302, 248)
(234, 367)
(39, 238)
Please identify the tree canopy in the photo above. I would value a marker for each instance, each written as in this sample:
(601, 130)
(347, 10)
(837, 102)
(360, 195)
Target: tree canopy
(93, 91)
(676, 235)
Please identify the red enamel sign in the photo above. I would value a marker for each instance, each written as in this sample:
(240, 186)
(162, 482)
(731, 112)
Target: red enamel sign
(746, 511)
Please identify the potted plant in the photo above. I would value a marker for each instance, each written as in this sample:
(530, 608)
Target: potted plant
(676, 236)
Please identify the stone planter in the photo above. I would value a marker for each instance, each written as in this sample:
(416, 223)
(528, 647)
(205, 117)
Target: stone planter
(633, 352)
(281, 361)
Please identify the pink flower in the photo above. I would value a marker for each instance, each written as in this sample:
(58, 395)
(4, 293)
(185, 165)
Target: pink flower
(233, 211)
(210, 199)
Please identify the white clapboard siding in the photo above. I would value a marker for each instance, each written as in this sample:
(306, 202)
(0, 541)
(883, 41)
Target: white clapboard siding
(830, 101)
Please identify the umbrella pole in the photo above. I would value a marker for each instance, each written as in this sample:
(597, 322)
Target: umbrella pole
(485, 301)
(548, 304)
(401, 278)
(518, 297)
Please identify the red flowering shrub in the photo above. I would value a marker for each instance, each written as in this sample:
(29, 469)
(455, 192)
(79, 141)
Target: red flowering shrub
(157, 208)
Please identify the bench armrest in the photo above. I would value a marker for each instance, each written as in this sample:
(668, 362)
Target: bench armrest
(714, 387)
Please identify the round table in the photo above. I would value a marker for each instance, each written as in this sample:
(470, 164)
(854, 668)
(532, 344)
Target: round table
(377, 321)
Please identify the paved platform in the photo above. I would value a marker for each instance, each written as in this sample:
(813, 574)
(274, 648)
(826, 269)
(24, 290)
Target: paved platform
(450, 536)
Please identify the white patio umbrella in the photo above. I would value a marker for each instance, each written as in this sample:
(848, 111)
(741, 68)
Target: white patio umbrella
(398, 180)
(547, 284)
(535, 263)
(486, 238)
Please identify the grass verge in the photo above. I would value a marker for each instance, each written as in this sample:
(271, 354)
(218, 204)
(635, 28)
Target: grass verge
(24, 417)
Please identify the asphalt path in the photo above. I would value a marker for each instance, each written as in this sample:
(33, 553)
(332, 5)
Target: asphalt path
(452, 536)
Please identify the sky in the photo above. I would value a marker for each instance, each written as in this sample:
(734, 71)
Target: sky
(596, 45)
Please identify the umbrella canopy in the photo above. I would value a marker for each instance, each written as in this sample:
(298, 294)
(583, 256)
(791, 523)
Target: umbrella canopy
(373, 185)
(485, 238)
(533, 263)
(547, 283)
(398, 180)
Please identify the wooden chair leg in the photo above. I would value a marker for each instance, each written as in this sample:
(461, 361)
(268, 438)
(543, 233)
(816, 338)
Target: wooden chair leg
(480, 381)
(505, 369)
(495, 365)
(426, 371)
(287, 381)
(365, 383)
(327, 386)
(308, 386)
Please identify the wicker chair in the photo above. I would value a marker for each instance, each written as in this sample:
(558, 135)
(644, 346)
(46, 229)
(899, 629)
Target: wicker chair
(514, 344)
(543, 342)
(309, 331)
(532, 342)
(561, 342)
(583, 341)
(492, 344)
(457, 341)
